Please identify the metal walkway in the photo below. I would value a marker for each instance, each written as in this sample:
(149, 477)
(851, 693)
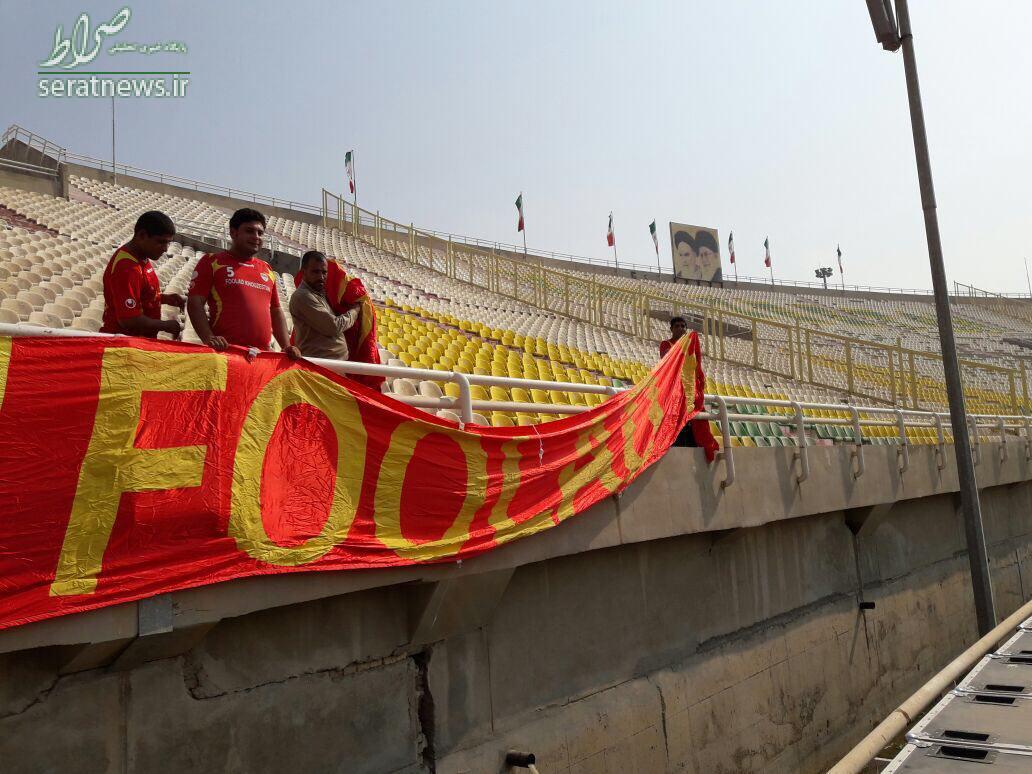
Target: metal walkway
(986, 721)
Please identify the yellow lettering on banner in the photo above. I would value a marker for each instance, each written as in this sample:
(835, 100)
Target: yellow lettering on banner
(113, 465)
(688, 379)
(5, 362)
(396, 461)
(592, 442)
(287, 389)
(499, 516)
(632, 460)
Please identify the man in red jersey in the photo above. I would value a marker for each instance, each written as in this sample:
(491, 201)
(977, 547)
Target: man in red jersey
(240, 291)
(132, 292)
(678, 327)
(697, 432)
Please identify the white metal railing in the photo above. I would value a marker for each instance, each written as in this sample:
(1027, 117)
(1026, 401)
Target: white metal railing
(901, 420)
(465, 402)
(959, 291)
(23, 166)
(517, 250)
(200, 230)
(63, 155)
(795, 418)
(32, 142)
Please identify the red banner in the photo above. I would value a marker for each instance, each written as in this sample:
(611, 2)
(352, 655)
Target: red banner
(131, 467)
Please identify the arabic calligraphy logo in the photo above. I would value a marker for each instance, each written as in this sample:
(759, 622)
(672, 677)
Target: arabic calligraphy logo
(82, 48)
(78, 43)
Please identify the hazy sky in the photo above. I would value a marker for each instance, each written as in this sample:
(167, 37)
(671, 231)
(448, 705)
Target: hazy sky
(768, 117)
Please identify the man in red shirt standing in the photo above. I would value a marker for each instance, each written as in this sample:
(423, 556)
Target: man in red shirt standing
(240, 291)
(678, 327)
(697, 432)
(132, 292)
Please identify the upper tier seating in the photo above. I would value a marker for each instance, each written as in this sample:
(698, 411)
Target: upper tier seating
(51, 277)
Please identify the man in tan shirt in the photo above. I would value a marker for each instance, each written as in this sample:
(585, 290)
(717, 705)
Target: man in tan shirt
(318, 332)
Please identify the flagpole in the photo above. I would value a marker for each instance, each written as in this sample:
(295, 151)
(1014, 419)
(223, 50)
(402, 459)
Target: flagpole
(655, 243)
(612, 225)
(768, 260)
(841, 271)
(1027, 278)
(354, 180)
(731, 248)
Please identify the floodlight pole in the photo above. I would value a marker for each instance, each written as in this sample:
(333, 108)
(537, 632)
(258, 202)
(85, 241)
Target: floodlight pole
(114, 172)
(981, 580)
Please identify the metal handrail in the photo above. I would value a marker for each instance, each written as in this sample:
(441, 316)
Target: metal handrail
(40, 143)
(638, 306)
(185, 182)
(837, 287)
(63, 155)
(23, 166)
(895, 418)
(831, 286)
(193, 228)
(798, 421)
(465, 401)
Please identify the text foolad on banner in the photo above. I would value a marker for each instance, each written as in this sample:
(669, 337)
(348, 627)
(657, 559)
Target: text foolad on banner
(131, 467)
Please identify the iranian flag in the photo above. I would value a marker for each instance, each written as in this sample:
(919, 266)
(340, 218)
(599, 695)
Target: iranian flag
(652, 231)
(350, 164)
(519, 209)
(610, 234)
(766, 248)
(838, 249)
(731, 245)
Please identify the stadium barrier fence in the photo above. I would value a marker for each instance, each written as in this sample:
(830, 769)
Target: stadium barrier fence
(861, 368)
(908, 377)
(794, 416)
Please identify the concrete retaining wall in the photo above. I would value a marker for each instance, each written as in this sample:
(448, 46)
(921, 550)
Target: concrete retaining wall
(602, 646)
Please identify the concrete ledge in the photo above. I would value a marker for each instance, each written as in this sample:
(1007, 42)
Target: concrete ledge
(679, 495)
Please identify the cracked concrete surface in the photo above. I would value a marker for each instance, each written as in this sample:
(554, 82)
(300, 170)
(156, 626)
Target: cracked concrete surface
(682, 654)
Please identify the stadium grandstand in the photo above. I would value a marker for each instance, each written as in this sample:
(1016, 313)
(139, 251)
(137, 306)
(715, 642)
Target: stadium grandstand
(447, 305)
(832, 401)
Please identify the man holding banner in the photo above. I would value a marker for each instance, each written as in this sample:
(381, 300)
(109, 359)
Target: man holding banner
(342, 293)
(240, 291)
(318, 331)
(132, 291)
